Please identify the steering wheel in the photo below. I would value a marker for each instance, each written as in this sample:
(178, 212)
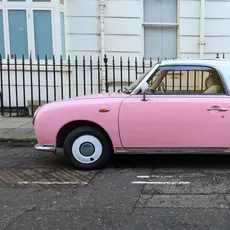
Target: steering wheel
(162, 87)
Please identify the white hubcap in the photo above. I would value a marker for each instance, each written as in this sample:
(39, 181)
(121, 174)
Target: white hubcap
(87, 149)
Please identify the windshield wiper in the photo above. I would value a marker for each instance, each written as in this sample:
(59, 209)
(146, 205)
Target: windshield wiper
(119, 90)
(126, 90)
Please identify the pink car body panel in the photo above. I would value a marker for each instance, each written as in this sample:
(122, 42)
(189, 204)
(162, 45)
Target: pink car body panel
(53, 116)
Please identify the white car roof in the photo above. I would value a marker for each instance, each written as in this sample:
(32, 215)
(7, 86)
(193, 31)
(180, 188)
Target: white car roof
(219, 63)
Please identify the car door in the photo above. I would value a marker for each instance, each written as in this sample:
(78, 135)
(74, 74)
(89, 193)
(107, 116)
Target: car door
(170, 121)
(190, 120)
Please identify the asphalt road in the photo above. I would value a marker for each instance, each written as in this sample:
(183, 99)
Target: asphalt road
(41, 191)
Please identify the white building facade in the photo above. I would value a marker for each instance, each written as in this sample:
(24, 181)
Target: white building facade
(141, 29)
(120, 28)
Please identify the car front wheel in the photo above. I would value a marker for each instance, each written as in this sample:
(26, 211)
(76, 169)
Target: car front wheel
(87, 148)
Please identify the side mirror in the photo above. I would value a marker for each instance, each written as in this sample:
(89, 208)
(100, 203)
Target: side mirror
(144, 89)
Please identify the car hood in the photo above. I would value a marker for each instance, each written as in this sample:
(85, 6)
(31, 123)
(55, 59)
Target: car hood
(97, 96)
(100, 95)
(92, 96)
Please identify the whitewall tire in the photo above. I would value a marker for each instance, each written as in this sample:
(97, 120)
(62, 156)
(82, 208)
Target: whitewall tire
(87, 148)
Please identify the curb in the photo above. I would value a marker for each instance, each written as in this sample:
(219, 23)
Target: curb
(12, 139)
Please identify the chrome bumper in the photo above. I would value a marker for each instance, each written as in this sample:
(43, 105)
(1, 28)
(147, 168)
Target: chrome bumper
(46, 148)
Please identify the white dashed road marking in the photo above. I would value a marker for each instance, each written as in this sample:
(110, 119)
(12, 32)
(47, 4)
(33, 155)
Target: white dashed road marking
(49, 183)
(154, 176)
(159, 182)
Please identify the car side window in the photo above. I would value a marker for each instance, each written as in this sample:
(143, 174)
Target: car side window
(185, 80)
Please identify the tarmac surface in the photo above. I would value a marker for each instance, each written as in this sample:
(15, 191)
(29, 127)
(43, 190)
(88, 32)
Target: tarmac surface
(42, 191)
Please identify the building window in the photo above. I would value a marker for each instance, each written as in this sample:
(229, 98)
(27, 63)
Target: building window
(160, 29)
(28, 27)
(2, 46)
(18, 33)
(43, 33)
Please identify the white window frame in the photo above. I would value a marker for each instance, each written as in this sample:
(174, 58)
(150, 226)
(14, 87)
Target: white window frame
(66, 54)
(62, 8)
(29, 6)
(145, 24)
(2, 9)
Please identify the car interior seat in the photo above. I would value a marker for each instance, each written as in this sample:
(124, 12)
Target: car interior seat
(213, 84)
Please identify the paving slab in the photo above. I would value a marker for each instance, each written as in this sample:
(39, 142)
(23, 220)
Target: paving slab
(4, 130)
(16, 129)
(27, 125)
(20, 131)
(11, 124)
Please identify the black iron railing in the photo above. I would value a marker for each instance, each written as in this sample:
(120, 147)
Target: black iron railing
(25, 84)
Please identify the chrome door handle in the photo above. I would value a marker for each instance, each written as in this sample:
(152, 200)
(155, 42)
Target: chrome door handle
(218, 109)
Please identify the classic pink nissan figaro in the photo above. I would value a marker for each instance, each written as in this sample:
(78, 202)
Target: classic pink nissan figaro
(178, 106)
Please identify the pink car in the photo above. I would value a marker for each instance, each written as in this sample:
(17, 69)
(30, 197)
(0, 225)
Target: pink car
(178, 106)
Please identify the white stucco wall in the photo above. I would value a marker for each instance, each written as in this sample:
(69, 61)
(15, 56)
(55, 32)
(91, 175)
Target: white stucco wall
(216, 28)
(124, 37)
(124, 29)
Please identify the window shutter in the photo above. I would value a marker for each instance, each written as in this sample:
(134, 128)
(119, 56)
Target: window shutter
(43, 33)
(18, 33)
(160, 41)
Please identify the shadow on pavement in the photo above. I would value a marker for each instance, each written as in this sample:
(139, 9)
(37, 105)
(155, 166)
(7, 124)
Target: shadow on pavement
(171, 161)
(23, 154)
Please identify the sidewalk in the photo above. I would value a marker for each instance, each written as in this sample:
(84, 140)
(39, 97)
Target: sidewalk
(16, 129)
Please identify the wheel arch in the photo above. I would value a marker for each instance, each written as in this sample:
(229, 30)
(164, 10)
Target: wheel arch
(70, 126)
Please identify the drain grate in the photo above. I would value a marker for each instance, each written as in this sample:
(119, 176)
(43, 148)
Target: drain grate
(44, 177)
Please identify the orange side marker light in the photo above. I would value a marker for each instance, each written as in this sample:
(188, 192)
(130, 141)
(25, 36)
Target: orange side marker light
(103, 110)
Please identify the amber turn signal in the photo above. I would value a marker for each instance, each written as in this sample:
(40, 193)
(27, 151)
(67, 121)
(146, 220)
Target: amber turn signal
(103, 110)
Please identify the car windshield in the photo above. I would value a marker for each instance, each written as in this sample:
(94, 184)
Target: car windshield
(132, 86)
